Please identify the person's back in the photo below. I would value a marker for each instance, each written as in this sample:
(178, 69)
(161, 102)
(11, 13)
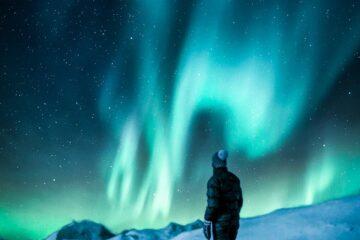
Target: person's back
(224, 200)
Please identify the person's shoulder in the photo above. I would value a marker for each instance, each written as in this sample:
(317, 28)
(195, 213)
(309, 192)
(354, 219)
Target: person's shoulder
(212, 181)
(233, 176)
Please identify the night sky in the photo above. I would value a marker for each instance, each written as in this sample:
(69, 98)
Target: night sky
(111, 110)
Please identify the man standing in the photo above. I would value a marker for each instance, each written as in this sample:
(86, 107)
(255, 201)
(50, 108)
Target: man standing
(224, 201)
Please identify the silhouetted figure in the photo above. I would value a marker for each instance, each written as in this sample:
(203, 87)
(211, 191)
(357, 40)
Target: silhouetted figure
(224, 201)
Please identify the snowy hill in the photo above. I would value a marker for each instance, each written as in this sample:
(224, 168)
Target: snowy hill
(168, 232)
(338, 219)
(87, 230)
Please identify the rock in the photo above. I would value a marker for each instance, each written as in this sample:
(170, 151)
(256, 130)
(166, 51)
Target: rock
(174, 229)
(84, 230)
(168, 232)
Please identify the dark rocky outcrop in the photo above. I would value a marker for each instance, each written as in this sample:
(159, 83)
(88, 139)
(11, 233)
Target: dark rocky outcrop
(84, 230)
(174, 229)
(88, 230)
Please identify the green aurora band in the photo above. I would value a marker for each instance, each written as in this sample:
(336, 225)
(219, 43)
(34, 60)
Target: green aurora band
(257, 70)
(259, 77)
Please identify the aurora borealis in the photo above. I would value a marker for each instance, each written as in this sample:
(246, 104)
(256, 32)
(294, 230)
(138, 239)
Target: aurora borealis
(111, 110)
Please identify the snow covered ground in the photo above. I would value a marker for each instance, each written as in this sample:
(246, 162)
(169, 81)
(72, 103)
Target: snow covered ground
(338, 219)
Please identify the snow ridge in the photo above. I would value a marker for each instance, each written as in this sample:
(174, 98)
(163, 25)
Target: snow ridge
(332, 220)
(337, 219)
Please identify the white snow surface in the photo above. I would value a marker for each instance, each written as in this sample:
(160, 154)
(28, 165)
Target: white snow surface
(338, 219)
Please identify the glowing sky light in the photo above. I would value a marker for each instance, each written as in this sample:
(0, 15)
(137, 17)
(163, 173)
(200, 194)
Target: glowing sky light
(111, 110)
(260, 74)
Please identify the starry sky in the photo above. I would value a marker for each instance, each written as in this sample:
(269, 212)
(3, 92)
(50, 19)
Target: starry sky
(111, 110)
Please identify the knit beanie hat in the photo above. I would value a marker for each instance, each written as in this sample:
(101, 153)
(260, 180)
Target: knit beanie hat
(219, 159)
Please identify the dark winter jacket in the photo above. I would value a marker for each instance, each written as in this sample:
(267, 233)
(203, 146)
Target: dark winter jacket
(224, 196)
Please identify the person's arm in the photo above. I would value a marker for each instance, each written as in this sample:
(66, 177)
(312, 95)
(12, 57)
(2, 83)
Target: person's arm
(213, 196)
(240, 202)
(239, 196)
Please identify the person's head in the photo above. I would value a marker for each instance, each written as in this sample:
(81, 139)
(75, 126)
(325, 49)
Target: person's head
(219, 159)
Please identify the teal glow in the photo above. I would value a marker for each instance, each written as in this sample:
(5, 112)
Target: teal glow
(111, 111)
(262, 80)
(332, 175)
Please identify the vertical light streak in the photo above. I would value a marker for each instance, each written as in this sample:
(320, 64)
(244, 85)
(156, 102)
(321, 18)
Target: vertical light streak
(260, 80)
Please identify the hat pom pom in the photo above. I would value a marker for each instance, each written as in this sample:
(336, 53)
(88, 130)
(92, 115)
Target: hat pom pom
(222, 154)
